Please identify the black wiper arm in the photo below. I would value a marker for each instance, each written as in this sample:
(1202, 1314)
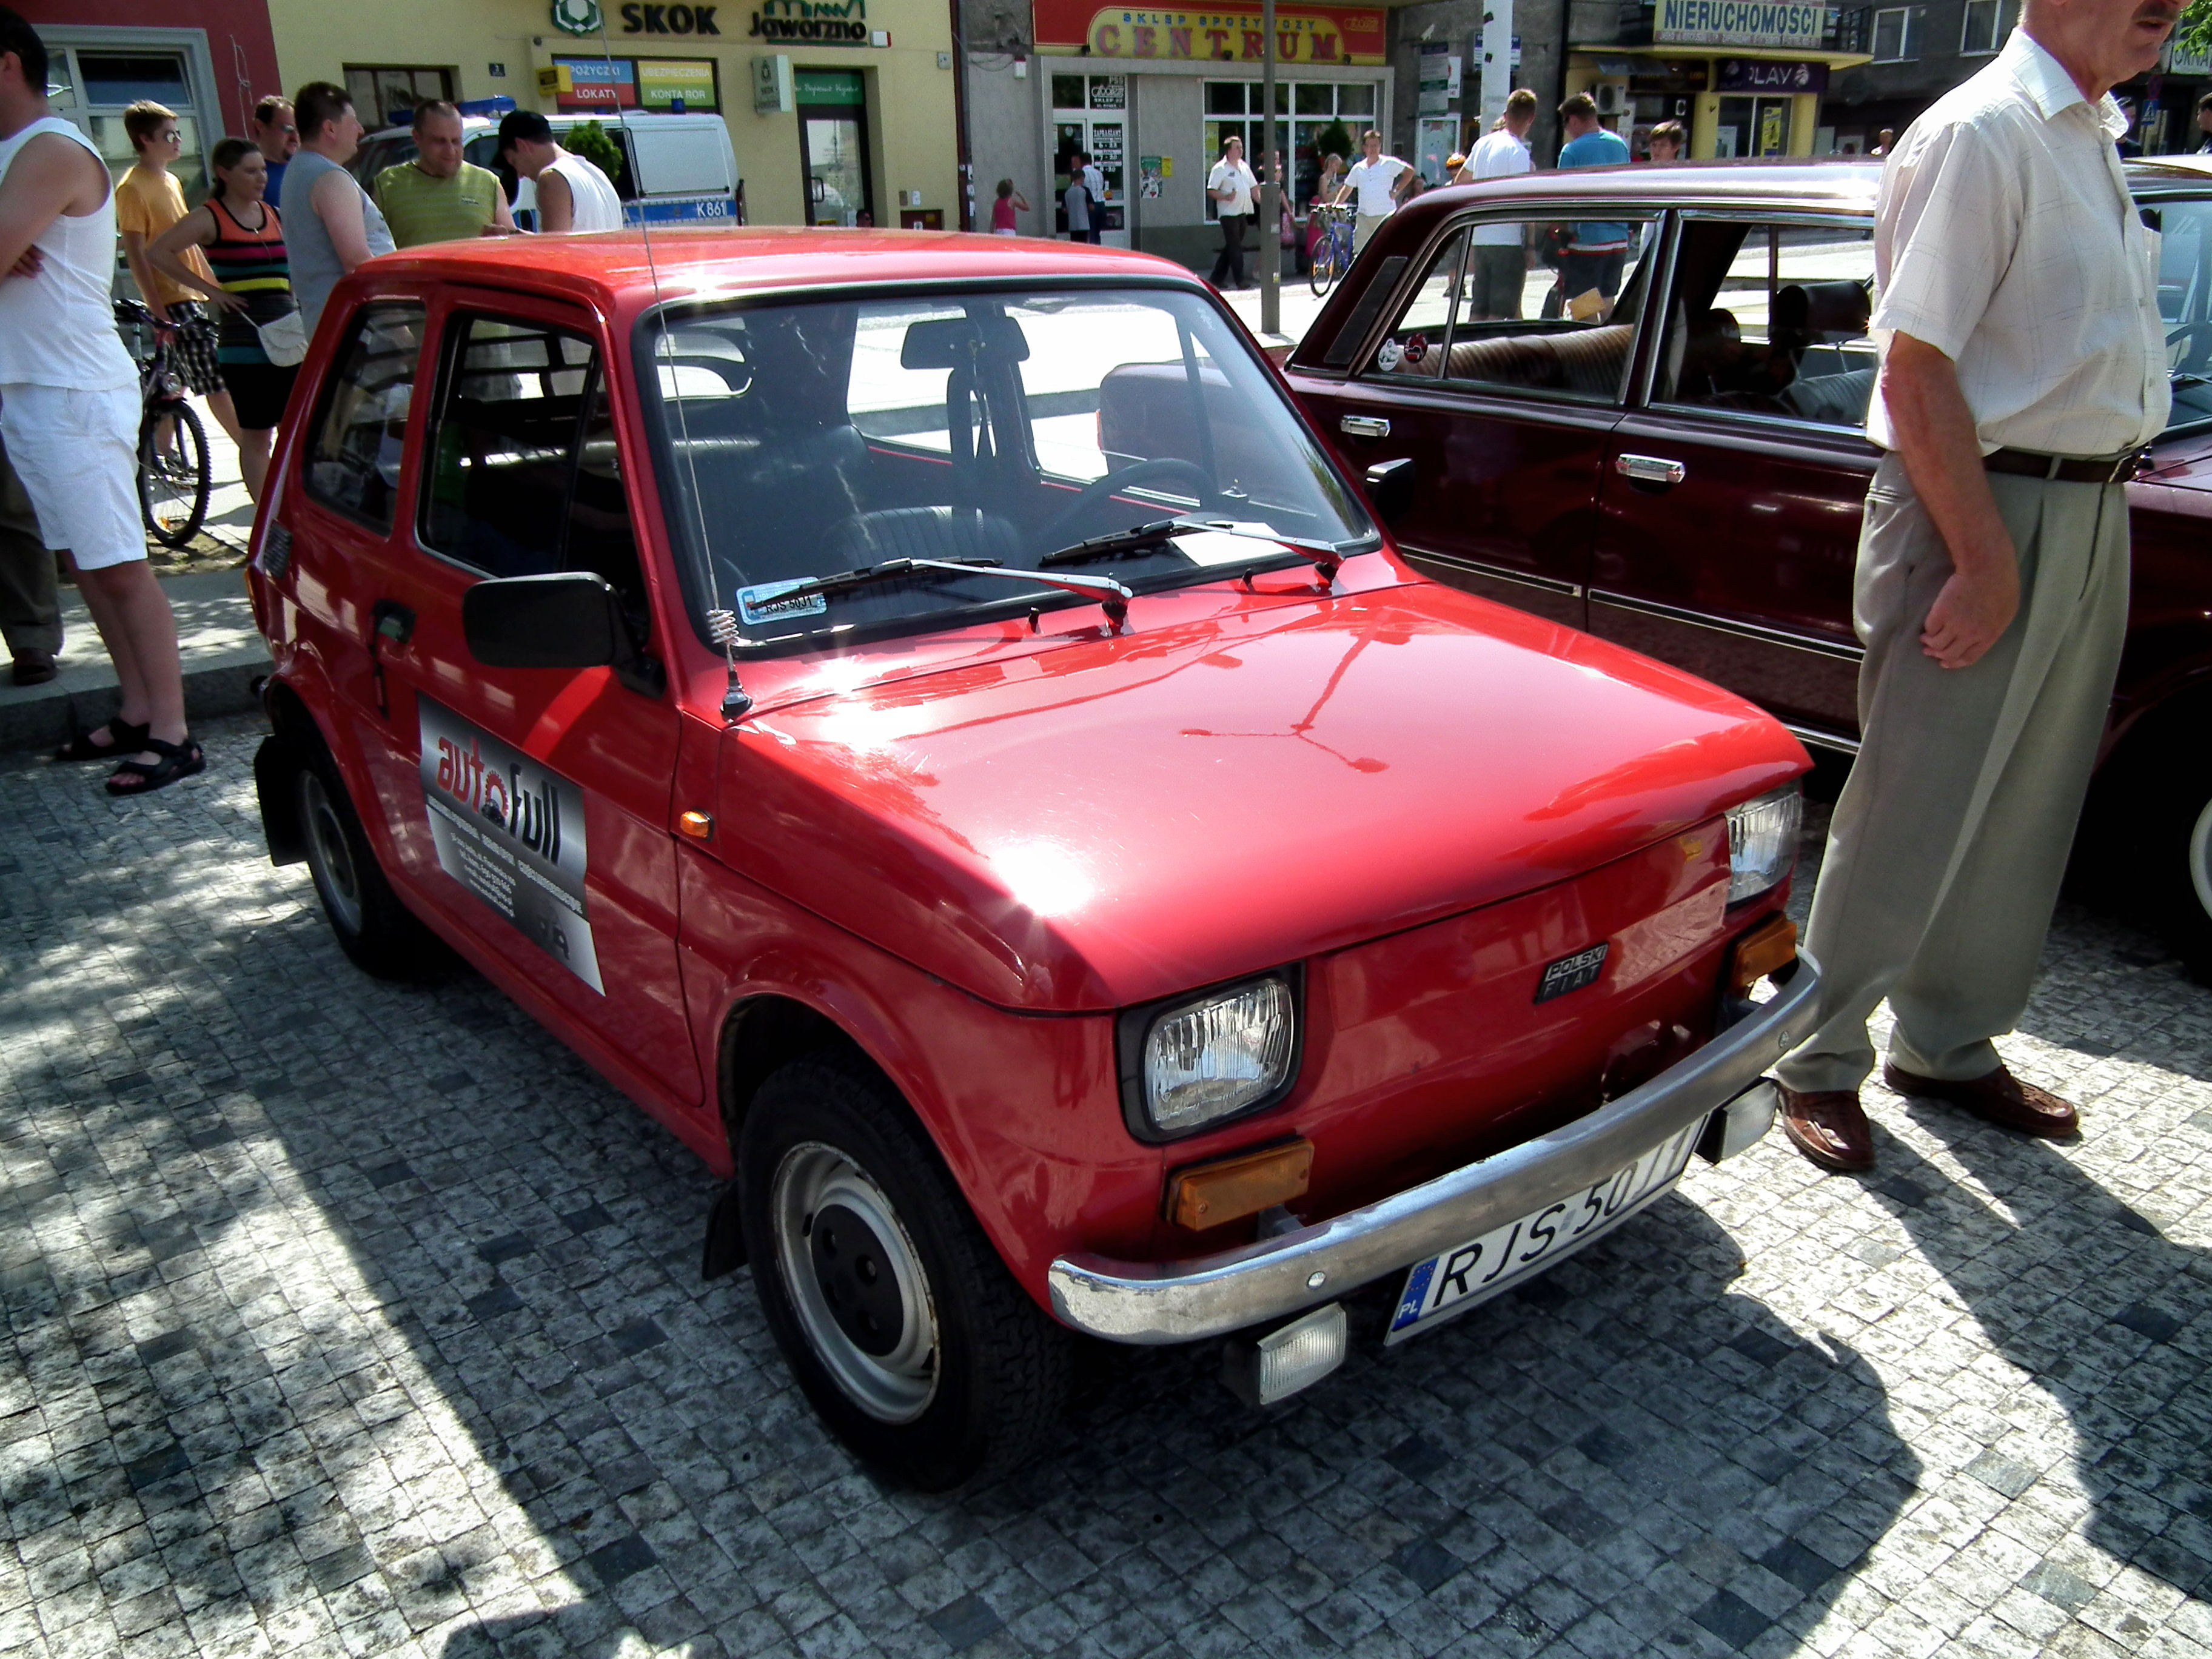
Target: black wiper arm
(1110, 594)
(1325, 554)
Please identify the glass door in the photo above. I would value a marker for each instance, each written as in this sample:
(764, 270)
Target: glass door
(1753, 126)
(1090, 116)
(833, 141)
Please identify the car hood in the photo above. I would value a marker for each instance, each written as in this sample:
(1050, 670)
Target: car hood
(1131, 817)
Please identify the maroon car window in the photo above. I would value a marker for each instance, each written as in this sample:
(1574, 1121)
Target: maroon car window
(361, 430)
(523, 478)
(1537, 305)
(1771, 319)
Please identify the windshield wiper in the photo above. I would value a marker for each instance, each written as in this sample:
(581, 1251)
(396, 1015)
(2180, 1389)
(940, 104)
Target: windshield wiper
(1112, 597)
(1326, 556)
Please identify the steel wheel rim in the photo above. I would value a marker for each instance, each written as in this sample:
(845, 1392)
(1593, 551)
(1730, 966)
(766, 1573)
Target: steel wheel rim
(2200, 858)
(331, 856)
(895, 1386)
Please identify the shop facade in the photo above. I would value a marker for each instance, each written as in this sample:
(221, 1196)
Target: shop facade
(1153, 95)
(208, 60)
(1746, 77)
(840, 111)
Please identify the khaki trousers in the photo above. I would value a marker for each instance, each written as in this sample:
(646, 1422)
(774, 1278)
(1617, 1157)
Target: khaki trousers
(1947, 848)
(30, 607)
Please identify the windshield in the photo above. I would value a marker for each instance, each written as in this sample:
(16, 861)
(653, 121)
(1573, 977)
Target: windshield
(2185, 303)
(799, 440)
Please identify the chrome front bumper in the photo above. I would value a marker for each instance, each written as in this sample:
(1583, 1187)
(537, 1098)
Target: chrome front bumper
(1211, 1295)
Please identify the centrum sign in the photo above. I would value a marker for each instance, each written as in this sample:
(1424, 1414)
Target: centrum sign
(1738, 23)
(1304, 34)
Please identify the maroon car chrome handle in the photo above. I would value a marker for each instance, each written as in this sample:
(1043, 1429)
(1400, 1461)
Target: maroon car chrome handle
(1650, 469)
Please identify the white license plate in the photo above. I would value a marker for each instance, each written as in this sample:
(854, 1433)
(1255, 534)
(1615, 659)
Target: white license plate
(1455, 1281)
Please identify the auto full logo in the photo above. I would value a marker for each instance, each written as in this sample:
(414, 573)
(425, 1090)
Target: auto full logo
(510, 831)
(1572, 972)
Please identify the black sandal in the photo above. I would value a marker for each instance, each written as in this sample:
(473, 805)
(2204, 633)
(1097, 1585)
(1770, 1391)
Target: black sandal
(178, 760)
(129, 740)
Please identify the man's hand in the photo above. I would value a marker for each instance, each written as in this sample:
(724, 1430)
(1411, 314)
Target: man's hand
(1970, 614)
(30, 264)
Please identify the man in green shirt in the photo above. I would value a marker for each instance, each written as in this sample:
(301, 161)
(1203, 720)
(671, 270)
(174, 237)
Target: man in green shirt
(438, 197)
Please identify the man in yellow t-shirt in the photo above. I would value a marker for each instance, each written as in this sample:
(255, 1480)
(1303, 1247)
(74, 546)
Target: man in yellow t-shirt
(438, 197)
(147, 201)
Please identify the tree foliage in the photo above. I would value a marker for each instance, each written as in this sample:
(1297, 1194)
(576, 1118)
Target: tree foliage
(2195, 30)
(589, 140)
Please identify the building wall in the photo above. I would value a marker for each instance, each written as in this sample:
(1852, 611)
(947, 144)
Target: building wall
(1171, 115)
(239, 42)
(1006, 136)
(912, 138)
(1460, 22)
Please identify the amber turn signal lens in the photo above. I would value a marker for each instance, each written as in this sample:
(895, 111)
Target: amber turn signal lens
(1230, 1188)
(1766, 949)
(697, 825)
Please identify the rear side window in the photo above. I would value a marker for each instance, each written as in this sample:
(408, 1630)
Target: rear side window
(523, 476)
(360, 429)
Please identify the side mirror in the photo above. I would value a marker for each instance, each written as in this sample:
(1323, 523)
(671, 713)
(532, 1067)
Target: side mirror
(1390, 487)
(570, 619)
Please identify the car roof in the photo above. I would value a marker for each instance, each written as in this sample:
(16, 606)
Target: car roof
(619, 271)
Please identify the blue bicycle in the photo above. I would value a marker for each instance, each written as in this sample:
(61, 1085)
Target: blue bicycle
(1332, 254)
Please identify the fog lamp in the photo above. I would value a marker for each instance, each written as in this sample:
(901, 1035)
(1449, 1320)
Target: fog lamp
(1284, 1361)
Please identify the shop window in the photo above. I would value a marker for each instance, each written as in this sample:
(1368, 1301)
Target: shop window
(1892, 34)
(95, 87)
(1771, 320)
(1304, 112)
(362, 430)
(1982, 30)
(1222, 97)
(1529, 304)
(385, 95)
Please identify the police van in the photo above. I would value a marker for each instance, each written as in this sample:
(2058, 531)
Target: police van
(675, 169)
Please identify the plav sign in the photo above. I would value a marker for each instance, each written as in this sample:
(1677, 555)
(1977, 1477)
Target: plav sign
(1738, 23)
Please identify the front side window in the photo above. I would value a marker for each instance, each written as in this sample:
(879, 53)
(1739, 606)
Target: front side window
(800, 441)
(1536, 305)
(525, 478)
(360, 429)
(1771, 320)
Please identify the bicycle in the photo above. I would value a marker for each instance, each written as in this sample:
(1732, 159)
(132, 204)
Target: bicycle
(1332, 254)
(175, 471)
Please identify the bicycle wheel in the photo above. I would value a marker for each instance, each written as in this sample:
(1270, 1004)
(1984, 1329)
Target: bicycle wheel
(173, 472)
(1324, 265)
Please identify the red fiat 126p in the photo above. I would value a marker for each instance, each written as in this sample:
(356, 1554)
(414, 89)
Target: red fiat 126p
(927, 717)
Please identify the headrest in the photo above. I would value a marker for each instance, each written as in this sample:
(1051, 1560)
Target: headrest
(1823, 308)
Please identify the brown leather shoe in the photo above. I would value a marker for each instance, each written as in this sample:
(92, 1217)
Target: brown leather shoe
(1829, 1127)
(2000, 1098)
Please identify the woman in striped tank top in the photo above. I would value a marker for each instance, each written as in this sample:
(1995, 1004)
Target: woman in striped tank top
(243, 237)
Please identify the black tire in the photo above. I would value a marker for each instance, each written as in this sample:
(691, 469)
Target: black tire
(1323, 271)
(962, 1374)
(174, 480)
(2178, 858)
(379, 934)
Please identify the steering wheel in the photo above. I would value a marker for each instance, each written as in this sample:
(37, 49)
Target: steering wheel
(1056, 530)
(2179, 337)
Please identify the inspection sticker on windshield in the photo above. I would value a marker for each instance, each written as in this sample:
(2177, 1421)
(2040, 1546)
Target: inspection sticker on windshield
(1457, 1279)
(510, 831)
(760, 603)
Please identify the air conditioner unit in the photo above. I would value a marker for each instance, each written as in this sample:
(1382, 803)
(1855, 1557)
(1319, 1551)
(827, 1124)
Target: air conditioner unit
(1610, 96)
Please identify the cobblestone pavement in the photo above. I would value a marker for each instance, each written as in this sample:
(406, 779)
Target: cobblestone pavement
(351, 1319)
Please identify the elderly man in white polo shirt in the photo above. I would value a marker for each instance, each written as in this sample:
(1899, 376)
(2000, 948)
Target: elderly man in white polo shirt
(2023, 364)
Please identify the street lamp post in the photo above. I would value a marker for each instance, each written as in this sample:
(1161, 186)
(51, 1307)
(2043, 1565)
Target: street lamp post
(1271, 235)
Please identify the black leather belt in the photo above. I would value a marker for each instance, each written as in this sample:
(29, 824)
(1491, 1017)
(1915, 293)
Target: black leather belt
(2066, 469)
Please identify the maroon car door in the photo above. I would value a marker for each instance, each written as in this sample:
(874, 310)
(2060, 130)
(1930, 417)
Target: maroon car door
(1730, 503)
(1504, 390)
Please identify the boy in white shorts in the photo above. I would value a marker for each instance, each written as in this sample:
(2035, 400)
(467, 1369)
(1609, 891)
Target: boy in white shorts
(68, 407)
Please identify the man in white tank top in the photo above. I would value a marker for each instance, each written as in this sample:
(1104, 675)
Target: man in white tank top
(572, 193)
(68, 407)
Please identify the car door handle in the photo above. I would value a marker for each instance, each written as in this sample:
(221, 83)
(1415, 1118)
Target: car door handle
(1650, 469)
(1364, 426)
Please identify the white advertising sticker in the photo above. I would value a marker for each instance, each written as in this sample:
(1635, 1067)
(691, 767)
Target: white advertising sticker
(511, 833)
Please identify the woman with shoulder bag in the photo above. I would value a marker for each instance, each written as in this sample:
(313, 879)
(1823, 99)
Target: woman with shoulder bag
(261, 342)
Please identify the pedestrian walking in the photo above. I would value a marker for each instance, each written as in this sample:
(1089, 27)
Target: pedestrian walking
(573, 194)
(1379, 182)
(1231, 186)
(1094, 185)
(1009, 203)
(30, 601)
(438, 197)
(240, 238)
(2023, 366)
(1076, 200)
(1596, 253)
(277, 135)
(69, 411)
(147, 201)
(1882, 143)
(1499, 252)
(1667, 141)
(330, 224)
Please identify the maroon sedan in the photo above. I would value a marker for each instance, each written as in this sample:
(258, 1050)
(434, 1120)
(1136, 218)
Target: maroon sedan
(1667, 447)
